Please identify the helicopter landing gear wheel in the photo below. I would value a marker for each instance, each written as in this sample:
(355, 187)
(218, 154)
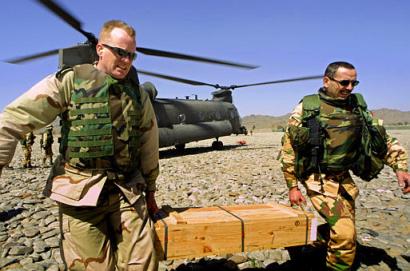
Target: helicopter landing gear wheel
(180, 147)
(217, 145)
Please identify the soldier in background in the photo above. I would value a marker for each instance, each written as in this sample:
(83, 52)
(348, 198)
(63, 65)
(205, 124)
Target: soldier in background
(46, 143)
(27, 143)
(323, 141)
(105, 176)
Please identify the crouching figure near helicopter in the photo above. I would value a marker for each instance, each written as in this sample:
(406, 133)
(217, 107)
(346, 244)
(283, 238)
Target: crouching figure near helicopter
(104, 177)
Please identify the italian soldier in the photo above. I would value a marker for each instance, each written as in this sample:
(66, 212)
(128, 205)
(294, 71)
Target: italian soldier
(328, 134)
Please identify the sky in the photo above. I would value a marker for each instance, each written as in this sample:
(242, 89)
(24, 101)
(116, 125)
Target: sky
(286, 39)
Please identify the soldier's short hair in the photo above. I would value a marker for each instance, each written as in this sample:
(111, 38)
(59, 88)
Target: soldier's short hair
(332, 68)
(110, 25)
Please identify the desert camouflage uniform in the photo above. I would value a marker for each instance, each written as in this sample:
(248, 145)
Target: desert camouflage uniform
(103, 213)
(335, 199)
(27, 146)
(46, 143)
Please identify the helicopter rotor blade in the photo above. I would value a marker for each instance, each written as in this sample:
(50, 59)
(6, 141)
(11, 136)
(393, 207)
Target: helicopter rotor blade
(31, 57)
(176, 79)
(161, 53)
(232, 87)
(279, 81)
(58, 10)
(68, 18)
(77, 25)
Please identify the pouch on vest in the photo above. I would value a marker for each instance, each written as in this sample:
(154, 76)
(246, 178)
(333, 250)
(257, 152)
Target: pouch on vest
(373, 145)
(307, 140)
(299, 137)
(373, 150)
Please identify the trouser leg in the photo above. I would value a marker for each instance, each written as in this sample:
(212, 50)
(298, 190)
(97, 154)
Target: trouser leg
(28, 159)
(134, 234)
(85, 240)
(339, 214)
(26, 155)
(49, 155)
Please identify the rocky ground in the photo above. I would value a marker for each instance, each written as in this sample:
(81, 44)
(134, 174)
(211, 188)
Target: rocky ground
(238, 174)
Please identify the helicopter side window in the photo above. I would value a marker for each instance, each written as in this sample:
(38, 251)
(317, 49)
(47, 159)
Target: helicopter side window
(201, 116)
(181, 118)
(231, 114)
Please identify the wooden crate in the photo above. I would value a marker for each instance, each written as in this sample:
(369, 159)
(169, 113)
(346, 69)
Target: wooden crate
(197, 232)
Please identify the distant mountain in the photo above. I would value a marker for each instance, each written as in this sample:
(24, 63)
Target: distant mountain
(392, 116)
(389, 116)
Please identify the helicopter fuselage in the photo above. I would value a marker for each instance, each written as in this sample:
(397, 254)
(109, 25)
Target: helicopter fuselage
(181, 121)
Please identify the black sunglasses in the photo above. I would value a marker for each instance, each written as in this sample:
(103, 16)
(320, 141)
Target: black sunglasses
(121, 52)
(345, 83)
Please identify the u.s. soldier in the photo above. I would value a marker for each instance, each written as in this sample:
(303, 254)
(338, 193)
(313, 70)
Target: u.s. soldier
(46, 143)
(104, 177)
(327, 135)
(27, 146)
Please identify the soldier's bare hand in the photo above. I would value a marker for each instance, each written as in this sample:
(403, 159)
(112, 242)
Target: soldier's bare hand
(404, 181)
(296, 197)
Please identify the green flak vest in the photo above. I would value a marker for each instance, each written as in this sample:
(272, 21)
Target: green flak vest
(334, 139)
(88, 125)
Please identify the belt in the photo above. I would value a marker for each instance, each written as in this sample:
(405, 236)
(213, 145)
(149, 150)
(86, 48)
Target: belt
(337, 176)
(109, 172)
(112, 175)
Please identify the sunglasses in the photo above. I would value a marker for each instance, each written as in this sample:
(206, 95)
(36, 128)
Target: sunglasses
(345, 83)
(121, 52)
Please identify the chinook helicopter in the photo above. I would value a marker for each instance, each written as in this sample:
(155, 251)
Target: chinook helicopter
(180, 121)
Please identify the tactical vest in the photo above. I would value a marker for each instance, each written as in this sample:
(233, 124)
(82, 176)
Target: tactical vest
(333, 139)
(91, 136)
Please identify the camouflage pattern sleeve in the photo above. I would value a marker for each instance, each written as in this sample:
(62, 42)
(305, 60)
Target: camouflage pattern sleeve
(149, 144)
(396, 156)
(33, 110)
(287, 157)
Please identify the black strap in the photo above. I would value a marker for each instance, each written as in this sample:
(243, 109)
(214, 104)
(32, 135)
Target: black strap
(165, 238)
(242, 226)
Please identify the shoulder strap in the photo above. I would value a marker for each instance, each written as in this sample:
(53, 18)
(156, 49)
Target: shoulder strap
(360, 101)
(311, 106)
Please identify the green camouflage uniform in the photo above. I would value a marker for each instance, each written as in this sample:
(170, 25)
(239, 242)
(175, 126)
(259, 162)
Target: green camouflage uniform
(103, 213)
(334, 196)
(46, 143)
(27, 144)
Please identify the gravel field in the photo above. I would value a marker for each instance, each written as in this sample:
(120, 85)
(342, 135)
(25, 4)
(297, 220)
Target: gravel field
(238, 174)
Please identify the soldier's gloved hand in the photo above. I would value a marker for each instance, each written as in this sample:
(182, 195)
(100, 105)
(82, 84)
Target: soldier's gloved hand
(158, 215)
(404, 181)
